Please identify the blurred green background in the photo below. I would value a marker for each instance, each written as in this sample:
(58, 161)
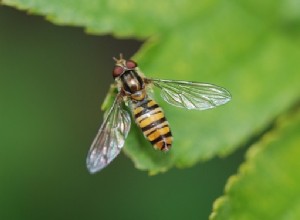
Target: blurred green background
(52, 82)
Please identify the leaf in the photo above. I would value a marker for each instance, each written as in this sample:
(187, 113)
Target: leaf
(267, 184)
(249, 48)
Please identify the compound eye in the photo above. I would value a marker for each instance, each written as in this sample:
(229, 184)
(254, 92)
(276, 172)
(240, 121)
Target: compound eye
(130, 64)
(118, 70)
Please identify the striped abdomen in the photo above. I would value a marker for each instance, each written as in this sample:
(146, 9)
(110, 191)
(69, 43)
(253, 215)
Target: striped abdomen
(151, 119)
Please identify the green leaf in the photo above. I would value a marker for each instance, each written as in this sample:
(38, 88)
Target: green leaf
(267, 184)
(251, 48)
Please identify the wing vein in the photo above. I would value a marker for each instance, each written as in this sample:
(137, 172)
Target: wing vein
(191, 95)
(110, 137)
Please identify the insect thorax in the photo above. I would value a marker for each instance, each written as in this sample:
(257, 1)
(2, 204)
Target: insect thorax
(133, 85)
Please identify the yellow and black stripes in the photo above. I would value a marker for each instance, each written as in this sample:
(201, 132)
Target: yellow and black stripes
(151, 119)
(148, 115)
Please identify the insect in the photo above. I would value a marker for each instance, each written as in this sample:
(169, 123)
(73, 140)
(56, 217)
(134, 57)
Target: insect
(133, 89)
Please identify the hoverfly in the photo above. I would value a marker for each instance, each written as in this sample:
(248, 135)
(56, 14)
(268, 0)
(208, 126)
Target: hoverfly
(133, 90)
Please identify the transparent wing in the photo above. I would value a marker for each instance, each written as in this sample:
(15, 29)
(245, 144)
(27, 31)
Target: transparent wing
(110, 138)
(191, 95)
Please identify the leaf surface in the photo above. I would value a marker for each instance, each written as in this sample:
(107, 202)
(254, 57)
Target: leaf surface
(267, 184)
(250, 48)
